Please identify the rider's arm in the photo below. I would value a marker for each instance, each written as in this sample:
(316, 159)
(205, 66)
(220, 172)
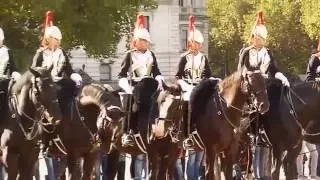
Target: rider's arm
(155, 68)
(181, 66)
(207, 70)
(243, 55)
(312, 68)
(67, 67)
(273, 67)
(37, 59)
(125, 66)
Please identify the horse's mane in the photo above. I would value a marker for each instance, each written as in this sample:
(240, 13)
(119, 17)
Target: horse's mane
(200, 96)
(25, 79)
(100, 94)
(230, 80)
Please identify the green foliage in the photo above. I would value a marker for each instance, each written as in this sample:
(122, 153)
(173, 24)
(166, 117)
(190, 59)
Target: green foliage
(287, 37)
(98, 25)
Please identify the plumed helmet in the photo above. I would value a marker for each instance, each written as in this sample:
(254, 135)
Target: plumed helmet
(53, 31)
(193, 33)
(140, 32)
(259, 29)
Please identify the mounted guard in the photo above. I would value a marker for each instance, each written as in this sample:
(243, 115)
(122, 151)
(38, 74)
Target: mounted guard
(52, 56)
(193, 67)
(313, 68)
(8, 69)
(260, 55)
(140, 62)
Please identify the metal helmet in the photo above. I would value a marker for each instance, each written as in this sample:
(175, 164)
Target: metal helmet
(193, 33)
(259, 29)
(140, 32)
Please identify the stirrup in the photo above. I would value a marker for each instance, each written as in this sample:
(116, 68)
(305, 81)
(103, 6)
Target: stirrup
(197, 142)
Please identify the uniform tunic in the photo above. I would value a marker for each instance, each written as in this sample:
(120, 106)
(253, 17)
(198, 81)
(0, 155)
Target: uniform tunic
(314, 63)
(7, 65)
(143, 65)
(56, 60)
(192, 68)
(259, 58)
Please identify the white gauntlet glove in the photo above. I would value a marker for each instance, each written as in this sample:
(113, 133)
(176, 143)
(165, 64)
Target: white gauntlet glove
(15, 75)
(217, 79)
(124, 84)
(160, 80)
(282, 78)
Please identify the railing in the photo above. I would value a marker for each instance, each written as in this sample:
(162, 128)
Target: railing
(196, 11)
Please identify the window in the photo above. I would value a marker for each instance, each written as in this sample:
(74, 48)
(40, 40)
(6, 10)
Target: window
(105, 72)
(183, 38)
(181, 3)
(147, 22)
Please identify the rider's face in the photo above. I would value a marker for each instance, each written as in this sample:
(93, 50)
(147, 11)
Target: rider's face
(142, 45)
(53, 43)
(195, 46)
(258, 42)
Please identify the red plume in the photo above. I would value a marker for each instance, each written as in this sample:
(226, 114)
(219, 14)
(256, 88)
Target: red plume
(47, 23)
(140, 22)
(191, 27)
(260, 18)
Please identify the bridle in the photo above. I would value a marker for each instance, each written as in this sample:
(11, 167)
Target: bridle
(42, 112)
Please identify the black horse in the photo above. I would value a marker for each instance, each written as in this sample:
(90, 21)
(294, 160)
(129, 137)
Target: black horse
(77, 134)
(32, 101)
(293, 116)
(216, 111)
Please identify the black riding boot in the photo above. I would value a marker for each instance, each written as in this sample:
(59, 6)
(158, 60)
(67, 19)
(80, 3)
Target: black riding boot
(187, 142)
(127, 138)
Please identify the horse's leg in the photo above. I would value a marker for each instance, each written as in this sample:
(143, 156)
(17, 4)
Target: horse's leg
(210, 158)
(112, 164)
(153, 157)
(290, 163)
(172, 159)
(10, 162)
(74, 170)
(88, 164)
(277, 161)
(26, 164)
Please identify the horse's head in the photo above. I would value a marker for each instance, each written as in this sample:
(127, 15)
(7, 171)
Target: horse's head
(43, 94)
(169, 102)
(110, 114)
(254, 84)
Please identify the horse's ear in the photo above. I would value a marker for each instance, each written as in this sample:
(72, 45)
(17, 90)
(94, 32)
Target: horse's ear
(34, 72)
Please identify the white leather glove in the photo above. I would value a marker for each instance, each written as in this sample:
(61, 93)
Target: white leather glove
(124, 84)
(282, 78)
(218, 79)
(160, 79)
(15, 75)
(75, 77)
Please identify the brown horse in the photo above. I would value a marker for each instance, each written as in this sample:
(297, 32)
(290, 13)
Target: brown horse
(32, 99)
(153, 106)
(77, 134)
(216, 111)
(164, 147)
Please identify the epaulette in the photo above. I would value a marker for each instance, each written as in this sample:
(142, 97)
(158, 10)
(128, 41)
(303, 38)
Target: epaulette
(41, 49)
(131, 50)
(185, 53)
(5, 47)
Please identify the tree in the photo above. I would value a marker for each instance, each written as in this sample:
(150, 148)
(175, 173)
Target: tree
(97, 25)
(232, 22)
